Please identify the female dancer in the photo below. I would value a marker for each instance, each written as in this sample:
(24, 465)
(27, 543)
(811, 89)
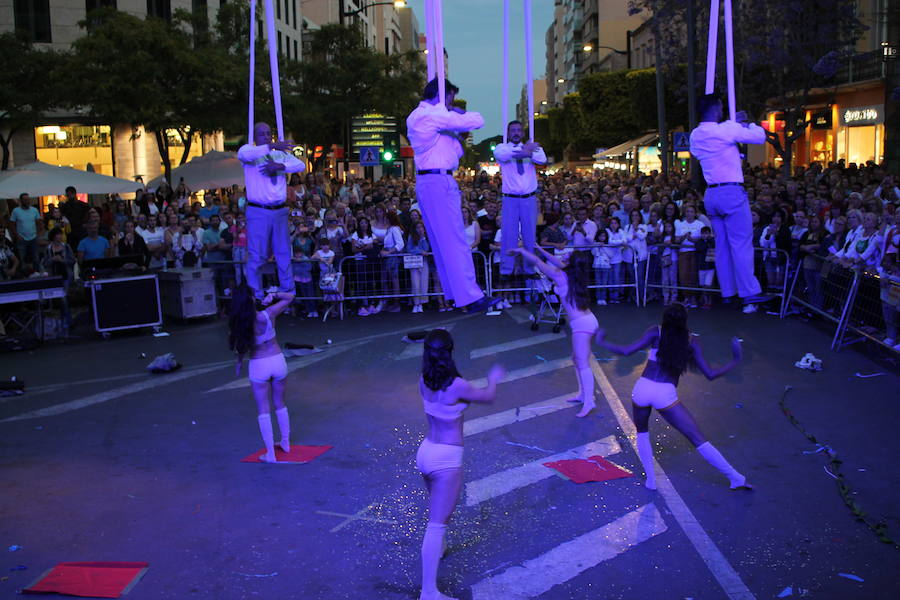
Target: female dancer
(571, 280)
(253, 332)
(672, 352)
(445, 396)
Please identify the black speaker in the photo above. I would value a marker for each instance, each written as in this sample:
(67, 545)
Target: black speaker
(126, 303)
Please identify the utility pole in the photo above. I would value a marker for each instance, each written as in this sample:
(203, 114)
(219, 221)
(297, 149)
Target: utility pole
(891, 105)
(661, 97)
(692, 85)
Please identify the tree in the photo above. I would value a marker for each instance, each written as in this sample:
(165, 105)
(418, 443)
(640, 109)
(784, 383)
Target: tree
(28, 87)
(148, 72)
(341, 78)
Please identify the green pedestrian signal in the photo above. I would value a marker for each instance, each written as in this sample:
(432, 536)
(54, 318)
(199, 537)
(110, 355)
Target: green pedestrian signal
(387, 155)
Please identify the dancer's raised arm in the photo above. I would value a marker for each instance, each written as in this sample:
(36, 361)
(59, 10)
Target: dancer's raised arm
(707, 370)
(645, 340)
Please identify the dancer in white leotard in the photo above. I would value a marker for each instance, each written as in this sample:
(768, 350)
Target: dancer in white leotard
(253, 332)
(571, 280)
(445, 396)
(672, 351)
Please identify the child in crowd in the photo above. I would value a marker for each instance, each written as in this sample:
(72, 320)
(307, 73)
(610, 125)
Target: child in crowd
(602, 266)
(668, 258)
(706, 263)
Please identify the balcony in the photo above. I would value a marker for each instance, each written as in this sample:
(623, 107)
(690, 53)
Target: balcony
(861, 67)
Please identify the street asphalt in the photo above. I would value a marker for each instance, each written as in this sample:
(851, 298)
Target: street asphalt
(104, 462)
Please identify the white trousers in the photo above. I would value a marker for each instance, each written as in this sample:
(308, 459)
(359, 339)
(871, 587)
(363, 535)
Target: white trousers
(729, 213)
(439, 199)
(516, 213)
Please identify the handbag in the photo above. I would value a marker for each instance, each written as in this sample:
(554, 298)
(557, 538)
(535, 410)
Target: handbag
(330, 281)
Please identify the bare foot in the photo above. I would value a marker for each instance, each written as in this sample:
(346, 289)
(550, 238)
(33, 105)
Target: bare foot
(267, 458)
(285, 445)
(586, 409)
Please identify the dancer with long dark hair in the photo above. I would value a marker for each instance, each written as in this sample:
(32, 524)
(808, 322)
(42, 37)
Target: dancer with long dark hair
(673, 350)
(571, 279)
(445, 396)
(252, 333)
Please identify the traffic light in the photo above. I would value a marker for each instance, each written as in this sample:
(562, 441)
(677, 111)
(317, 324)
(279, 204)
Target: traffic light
(387, 156)
(391, 148)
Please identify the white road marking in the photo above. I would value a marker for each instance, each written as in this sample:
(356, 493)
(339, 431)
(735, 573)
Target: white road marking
(519, 314)
(530, 371)
(357, 517)
(518, 477)
(718, 565)
(538, 575)
(293, 365)
(531, 340)
(520, 413)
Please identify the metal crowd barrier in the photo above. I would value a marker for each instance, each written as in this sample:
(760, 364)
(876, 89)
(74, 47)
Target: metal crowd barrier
(771, 267)
(513, 284)
(873, 303)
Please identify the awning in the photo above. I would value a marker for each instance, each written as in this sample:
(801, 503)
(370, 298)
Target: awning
(645, 140)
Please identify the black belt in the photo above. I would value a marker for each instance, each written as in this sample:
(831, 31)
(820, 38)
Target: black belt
(520, 195)
(714, 185)
(435, 172)
(267, 206)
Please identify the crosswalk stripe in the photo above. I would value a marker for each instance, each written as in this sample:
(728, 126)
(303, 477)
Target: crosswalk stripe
(718, 565)
(529, 371)
(511, 479)
(293, 365)
(520, 413)
(519, 314)
(531, 340)
(538, 575)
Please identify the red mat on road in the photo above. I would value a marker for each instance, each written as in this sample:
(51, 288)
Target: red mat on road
(595, 468)
(91, 579)
(297, 455)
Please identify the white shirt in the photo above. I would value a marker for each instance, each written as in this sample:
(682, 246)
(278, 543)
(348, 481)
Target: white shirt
(393, 239)
(585, 239)
(426, 127)
(157, 236)
(262, 189)
(715, 146)
(691, 231)
(513, 181)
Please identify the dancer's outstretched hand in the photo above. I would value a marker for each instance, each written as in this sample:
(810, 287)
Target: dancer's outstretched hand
(600, 335)
(497, 373)
(736, 350)
(283, 145)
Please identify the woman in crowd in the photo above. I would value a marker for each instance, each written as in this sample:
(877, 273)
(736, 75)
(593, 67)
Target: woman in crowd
(252, 335)
(445, 396)
(638, 233)
(603, 255)
(380, 223)
(687, 231)
(417, 244)
(673, 351)
(776, 236)
(365, 270)
(473, 231)
(302, 247)
(668, 261)
(618, 243)
(812, 256)
(393, 245)
(571, 279)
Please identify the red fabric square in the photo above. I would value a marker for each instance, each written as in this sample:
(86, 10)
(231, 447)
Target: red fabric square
(91, 579)
(595, 468)
(297, 455)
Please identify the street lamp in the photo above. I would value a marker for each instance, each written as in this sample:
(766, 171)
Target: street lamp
(560, 80)
(590, 48)
(395, 3)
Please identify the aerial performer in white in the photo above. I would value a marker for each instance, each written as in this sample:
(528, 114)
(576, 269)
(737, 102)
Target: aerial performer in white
(266, 163)
(714, 144)
(436, 130)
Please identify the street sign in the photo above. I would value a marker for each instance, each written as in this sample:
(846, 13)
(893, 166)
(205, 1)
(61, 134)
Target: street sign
(888, 51)
(368, 156)
(681, 141)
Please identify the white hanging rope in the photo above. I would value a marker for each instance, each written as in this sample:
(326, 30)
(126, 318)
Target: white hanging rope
(273, 66)
(505, 95)
(529, 81)
(712, 51)
(252, 70)
(429, 39)
(438, 25)
(711, 47)
(729, 60)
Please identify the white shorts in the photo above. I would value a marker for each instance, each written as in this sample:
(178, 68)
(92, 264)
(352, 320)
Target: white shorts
(658, 395)
(269, 367)
(585, 324)
(433, 457)
(706, 277)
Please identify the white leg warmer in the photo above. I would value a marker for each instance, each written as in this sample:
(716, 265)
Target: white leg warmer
(284, 425)
(265, 428)
(586, 382)
(715, 458)
(432, 548)
(645, 452)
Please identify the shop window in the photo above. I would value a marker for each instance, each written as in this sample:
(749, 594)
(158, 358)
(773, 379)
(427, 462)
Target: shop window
(33, 19)
(83, 147)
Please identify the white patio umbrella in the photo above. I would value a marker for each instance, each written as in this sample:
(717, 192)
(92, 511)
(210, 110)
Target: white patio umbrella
(212, 170)
(40, 179)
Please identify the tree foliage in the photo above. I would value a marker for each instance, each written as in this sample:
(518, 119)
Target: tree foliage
(29, 86)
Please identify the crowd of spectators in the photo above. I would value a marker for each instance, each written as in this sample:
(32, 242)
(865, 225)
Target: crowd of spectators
(372, 232)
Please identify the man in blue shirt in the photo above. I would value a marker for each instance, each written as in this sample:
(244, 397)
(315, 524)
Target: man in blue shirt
(26, 220)
(93, 246)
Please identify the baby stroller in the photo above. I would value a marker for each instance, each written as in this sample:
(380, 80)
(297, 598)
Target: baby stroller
(544, 303)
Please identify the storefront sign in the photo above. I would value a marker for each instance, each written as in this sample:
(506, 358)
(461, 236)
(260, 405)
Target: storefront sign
(862, 115)
(821, 120)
